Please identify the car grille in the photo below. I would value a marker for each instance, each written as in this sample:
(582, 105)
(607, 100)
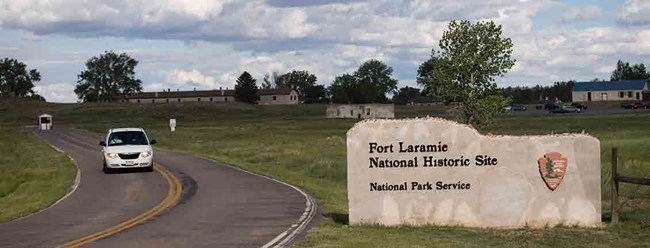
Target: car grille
(129, 155)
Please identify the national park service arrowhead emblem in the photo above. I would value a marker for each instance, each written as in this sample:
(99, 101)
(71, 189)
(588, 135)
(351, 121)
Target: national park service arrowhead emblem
(552, 167)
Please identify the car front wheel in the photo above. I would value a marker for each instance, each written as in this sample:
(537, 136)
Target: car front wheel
(106, 169)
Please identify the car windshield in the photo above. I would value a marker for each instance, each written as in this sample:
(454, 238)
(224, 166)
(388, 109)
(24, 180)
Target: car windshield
(127, 138)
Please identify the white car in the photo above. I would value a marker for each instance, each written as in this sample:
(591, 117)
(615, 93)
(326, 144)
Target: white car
(572, 109)
(127, 148)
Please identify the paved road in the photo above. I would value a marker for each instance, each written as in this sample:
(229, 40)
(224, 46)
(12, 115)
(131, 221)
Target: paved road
(219, 206)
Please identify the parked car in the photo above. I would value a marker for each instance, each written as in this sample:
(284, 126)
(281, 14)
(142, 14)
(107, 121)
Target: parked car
(635, 105)
(579, 105)
(565, 109)
(551, 106)
(627, 105)
(127, 148)
(517, 107)
(572, 109)
(639, 105)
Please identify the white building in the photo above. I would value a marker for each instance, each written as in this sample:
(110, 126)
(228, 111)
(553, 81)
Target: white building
(361, 111)
(628, 90)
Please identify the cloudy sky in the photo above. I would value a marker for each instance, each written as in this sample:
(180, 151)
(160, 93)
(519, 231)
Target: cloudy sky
(206, 44)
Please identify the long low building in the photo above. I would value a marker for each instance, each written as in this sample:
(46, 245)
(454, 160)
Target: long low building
(629, 90)
(267, 96)
(360, 111)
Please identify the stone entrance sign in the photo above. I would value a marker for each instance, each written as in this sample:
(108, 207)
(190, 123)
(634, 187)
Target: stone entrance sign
(434, 171)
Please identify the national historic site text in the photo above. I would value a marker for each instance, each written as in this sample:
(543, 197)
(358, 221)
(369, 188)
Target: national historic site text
(423, 161)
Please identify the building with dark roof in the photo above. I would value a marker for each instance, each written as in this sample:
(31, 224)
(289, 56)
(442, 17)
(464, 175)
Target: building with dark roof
(267, 96)
(627, 90)
(277, 96)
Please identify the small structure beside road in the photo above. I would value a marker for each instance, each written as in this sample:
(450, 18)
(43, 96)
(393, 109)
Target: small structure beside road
(361, 111)
(45, 122)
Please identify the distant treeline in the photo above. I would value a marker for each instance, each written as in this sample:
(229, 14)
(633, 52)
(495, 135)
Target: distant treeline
(560, 91)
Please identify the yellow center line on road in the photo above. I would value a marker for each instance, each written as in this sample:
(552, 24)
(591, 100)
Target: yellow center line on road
(173, 195)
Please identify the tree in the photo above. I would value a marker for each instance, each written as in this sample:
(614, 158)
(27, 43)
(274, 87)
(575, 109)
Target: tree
(375, 79)
(16, 81)
(406, 95)
(345, 89)
(315, 94)
(470, 56)
(298, 80)
(246, 89)
(267, 84)
(426, 73)
(276, 81)
(107, 77)
(559, 90)
(369, 84)
(625, 71)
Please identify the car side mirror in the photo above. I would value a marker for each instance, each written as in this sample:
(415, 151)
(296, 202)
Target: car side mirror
(152, 142)
(102, 143)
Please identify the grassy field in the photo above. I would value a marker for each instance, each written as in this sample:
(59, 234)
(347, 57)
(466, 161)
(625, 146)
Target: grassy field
(32, 174)
(297, 145)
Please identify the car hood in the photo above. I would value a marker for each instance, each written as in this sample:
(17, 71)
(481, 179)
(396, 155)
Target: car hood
(127, 148)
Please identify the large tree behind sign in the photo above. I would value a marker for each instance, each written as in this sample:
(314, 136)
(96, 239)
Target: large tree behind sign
(369, 84)
(375, 78)
(246, 89)
(625, 71)
(462, 72)
(406, 95)
(315, 94)
(298, 80)
(345, 89)
(266, 83)
(16, 81)
(107, 77)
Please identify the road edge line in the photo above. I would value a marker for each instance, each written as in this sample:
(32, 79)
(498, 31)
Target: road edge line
(284, 238)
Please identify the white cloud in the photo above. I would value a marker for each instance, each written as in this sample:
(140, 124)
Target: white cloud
(635, 12)
(57, 92)
(168, 19)
(641, 46)
(383, 22)
(581, 13)
(604, 69)
(326, 37)
(178, 78)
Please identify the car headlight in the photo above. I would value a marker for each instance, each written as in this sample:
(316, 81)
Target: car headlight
(111, 155)
(145, 154)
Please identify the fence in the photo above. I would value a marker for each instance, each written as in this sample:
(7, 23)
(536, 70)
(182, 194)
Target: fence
(615, 180)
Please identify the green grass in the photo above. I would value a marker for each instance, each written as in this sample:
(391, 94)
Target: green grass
(32, 174)
(297, 145)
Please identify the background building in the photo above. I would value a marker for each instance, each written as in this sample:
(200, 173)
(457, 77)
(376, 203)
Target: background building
(361, 111)
(277, 96)
(267, 96)
(629, 90)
